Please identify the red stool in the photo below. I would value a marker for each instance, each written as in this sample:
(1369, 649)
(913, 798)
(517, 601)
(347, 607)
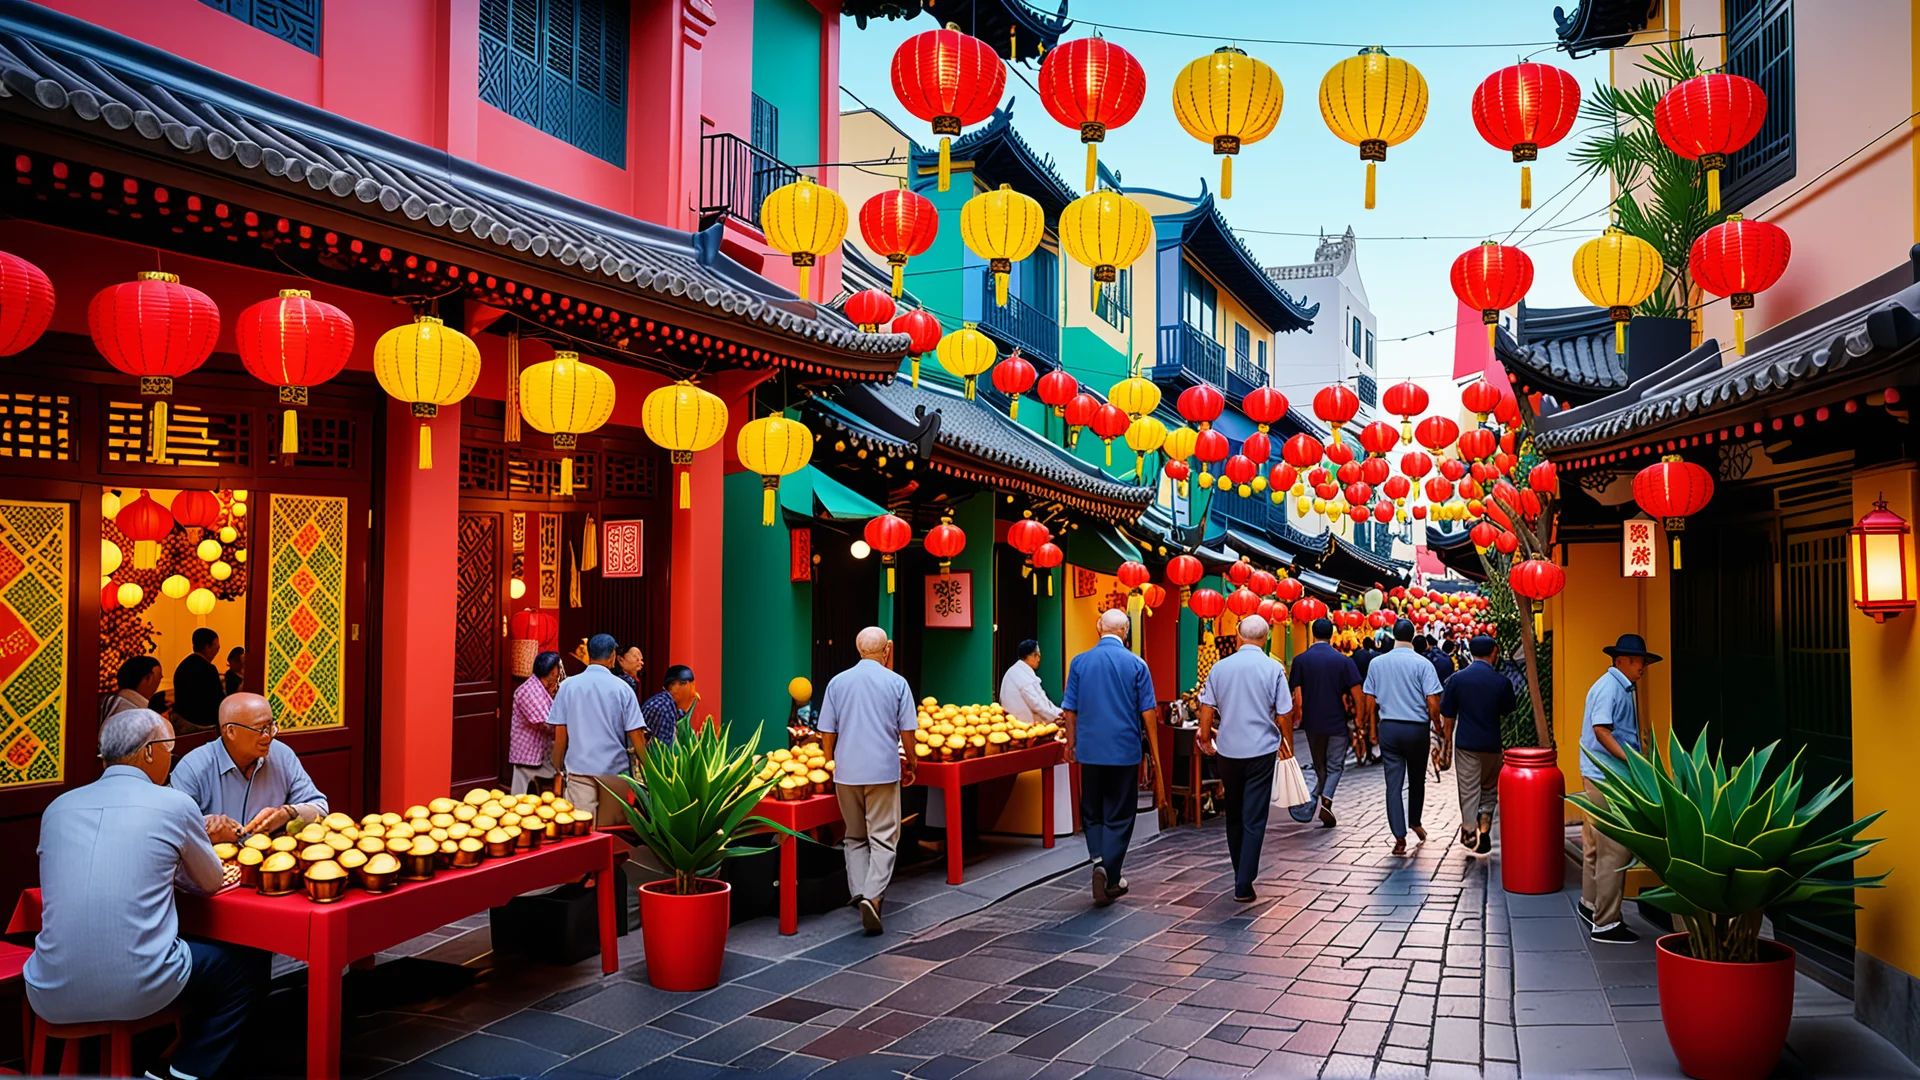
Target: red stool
(13, 961)
(118, 1060)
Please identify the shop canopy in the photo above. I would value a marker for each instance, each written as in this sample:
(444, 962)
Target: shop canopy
(808, 488)
(1259, 550)
(1098, 546)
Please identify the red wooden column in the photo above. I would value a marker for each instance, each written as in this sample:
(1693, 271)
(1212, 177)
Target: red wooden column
(663, 134)
(422, 520)
(699, 543)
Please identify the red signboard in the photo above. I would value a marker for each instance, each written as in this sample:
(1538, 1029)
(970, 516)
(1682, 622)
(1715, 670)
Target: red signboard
(622, 548)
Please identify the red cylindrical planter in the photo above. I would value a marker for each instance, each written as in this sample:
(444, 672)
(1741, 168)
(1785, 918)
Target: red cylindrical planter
(1725, 1021)
(1532, 808)
(685, 936)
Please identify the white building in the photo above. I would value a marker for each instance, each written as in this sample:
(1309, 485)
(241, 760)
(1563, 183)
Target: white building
(1342, 346)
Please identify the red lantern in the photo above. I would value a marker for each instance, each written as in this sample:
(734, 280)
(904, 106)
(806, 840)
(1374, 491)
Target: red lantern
(1013, 377)
(1405, 400)
(1479, 397)
(532, 624)
(949, 80)
(1506, 543)
(1452, 469)
(1210, 447)
(196, 511)
(1264, 406)
(945, 541)
(1288, 589)
(1258, 448)
(1055, 389)
(923, 335)
(1243, 602)
(1185, 571)
(1483, 536)
(1536, 579)
(1335, 405)
(1339, 453)
(1476, 444)
(1383, 513)
(1415, 464)
(887, 535)
(1419, 511)
(1357, 514)
(1110, 422)
(1239, 573)
(1262, 583)
(1091, 84)
(1506, 412)
(868, 308)
(899, 224)
(1046, 557)
(1201, 405)
(1269, 610)
(293, 342)
(1283, 477)
(1207, 604)
(1358, 493)
(1379, 438)
(1439, 490)
(1152, 596)
(1673, 489)
(1708, 117)
(1132, 574)
(1307, 610)
(109, 596)
(156, 330)
(1523, 108)
(1176, 470)
(1375, 470)
(1738, 259)
(1398, 488)
(1079, 412)
(1303, 451)
(146, 523)
(1240, 471)
(1436, 433)
(1489, 278)
(26, 303)
(1026, 535)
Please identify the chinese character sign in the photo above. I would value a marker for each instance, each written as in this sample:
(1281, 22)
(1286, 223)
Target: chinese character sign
(1637, 548)
(950, 601)
(621, 546)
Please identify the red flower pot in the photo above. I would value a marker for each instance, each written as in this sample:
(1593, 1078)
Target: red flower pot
(1533, 855)
(685, 936)
(1725, 1021)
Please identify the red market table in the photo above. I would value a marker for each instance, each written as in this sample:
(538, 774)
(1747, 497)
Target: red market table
(951, 776)
(330, 936)
(800, 815)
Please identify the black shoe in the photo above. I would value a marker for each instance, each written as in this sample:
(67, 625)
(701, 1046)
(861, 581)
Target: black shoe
(1247, 899)
(1101, 895)
(1119, 889)
(1486, 843)
(1617, 934)
(1586, 912)
(1326, 813)
(869, 917)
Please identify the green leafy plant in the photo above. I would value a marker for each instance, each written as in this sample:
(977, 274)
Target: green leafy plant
(1726, 847)
(693, 802)
(1660, 198)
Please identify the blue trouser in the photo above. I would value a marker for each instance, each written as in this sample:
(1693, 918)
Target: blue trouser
(1404, 745)
(226, 982)
(1109, 798)
(1329, 753)
(1248, 784)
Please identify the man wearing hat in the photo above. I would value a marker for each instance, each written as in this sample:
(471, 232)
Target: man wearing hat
(1610, 724)
(1472, 704)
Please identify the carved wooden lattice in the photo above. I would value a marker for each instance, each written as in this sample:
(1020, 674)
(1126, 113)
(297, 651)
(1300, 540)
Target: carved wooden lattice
(37, 426)
(196, 436)
(549, 560)
(477, 617)
(517, 544)
(326, 442)
(540, 476)
(630, 476)
(482, 468)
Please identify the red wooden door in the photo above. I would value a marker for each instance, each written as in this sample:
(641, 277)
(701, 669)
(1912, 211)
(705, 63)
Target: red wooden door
(479, 702)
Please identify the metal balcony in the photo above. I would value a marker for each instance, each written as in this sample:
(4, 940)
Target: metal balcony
(1189, 356)
(736, 177)
(1243, 378)
(1019, 325)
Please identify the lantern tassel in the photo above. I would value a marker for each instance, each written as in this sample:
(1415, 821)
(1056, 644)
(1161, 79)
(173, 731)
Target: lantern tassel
(566, 476)
(1676, 553)
(1526, 187)
(1000, 289)
(1036, 584)
(1713, 192)
(686, 488)
(916, 373)
(946, 161)
(1226, 176)
(889, 579)
(1740, 333)
(1093, 164)
(806, 281)
(1490, 329)
(766, 506)
(290, 433)
(1013, 408)
(1369, 185)
(1619, 339)
(1109, 453)
(899, 279)
(1049, 583)
(970, 386)
(159, 432)
(426, 445)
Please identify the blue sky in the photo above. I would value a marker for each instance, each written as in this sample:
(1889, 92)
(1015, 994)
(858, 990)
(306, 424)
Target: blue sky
(1444, 182)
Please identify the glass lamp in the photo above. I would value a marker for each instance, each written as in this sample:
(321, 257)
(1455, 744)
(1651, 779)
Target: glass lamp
(1882, 576)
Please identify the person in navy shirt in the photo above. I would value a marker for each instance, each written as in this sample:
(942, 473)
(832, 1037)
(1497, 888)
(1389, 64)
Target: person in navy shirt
(1327, 683)
(1473, 701)
(1108, 703)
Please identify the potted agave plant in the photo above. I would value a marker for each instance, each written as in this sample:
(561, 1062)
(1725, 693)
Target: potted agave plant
(1727, 848)
(693, 806)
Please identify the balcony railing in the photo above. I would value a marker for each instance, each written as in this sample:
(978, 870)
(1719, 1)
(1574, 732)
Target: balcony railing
(736, 177)
(1243, 378)
(1020, 325)
(1187, 355)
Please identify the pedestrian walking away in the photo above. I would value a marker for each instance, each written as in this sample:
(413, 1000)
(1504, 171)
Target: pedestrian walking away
(1610, 725)
(1326, 687)
(866, 723)
(1472, 704)
(1243, 719)
(1104, 713)
(596, 725)
(1403, 711)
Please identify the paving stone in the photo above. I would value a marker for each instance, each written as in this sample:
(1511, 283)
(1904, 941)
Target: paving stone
(851, 989)
(932, 995)
(1551, 1050)
(1532, 1007)
(1459, 1006)
(1554, 971)
(1361, 1037)
(842, 1043)
(1314, 1039)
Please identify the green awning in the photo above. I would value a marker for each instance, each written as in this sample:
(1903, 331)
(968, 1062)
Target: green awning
(800, 491)
(1099, 547)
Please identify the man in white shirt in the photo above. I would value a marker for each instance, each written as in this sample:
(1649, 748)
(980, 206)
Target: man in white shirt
(1020, 691)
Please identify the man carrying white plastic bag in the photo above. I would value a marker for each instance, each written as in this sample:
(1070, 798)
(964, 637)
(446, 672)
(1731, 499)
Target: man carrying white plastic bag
(1247, 701)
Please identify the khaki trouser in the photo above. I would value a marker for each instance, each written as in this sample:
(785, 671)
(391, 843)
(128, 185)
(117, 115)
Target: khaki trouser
(1603, 865)
(525, 775)
(872, 815)
(1477, 772)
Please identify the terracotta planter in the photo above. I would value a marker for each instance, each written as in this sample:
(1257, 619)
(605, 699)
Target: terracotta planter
(1533, 857)
(685, 936)
(1725, 1021)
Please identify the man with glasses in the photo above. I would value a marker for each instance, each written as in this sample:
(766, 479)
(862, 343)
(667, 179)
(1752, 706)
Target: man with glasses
(248, 782)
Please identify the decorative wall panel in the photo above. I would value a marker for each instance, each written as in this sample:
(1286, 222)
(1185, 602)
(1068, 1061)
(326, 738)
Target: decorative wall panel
(306, 610)
(35, 594)
(477, 627)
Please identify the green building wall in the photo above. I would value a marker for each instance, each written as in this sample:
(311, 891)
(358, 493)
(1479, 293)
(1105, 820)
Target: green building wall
(786, 73)
(957, 665)
(770, 638)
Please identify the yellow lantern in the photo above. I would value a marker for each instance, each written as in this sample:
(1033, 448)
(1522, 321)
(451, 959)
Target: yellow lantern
(130, 595)
(1002, 227)
(1617, 270)
(110, 556)
(805, 221)
(800, 688)
(426, 364)
(1144, 436)
(1229, 99)
(1373, 101)
(773, 446)
(175, 587)
(966, 353)
(208, 549)
(565, 397)
(221, 571)
(200, 603)
(1136, 397)
(1106, 231)
(109, 504)
(516, 588)
(1180, 443)
(685, 420)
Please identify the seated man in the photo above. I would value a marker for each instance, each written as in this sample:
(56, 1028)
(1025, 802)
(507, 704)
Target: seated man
(247, 782)
(197, 688)
(109, 946)
(665, 709)
(138, 681)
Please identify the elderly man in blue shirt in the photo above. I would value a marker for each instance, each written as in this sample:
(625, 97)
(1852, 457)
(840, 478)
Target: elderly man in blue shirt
(1610, 724)
(109, 946)
(1248, 694)
(248, 782)
(866, 725)
(596, 720)
(1104, 712)
(1403, 709)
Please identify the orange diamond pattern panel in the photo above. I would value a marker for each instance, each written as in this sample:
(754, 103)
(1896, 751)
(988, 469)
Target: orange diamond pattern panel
(307, 610)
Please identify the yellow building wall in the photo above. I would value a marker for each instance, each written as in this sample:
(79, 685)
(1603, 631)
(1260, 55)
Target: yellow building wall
(866, 136)
(1885, 660)
(1137, 337)
(1230, 313)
